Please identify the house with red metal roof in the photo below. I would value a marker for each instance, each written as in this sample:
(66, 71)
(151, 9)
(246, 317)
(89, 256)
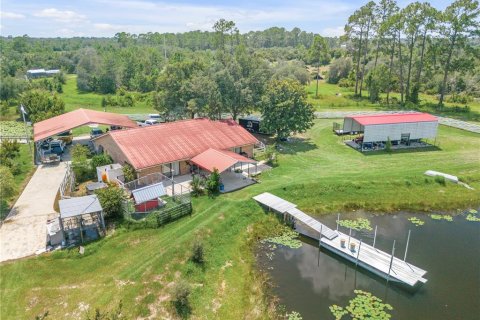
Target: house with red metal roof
(402, 129)
(175, 147)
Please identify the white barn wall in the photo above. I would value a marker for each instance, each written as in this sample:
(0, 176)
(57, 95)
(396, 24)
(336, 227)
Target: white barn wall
(417, 130)
(350, 125)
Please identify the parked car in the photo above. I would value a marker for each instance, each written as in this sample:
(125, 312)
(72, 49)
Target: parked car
(155, 116)
(57, 147)
(148, 122)
(95, 132)
(66, 137)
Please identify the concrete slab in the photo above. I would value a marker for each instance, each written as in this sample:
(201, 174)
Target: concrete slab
(24, 232)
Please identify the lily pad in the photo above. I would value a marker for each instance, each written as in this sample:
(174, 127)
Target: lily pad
(363, 306)
(289, 239)
(441, 217)
(358, 224)
(416, 221)
(471, 217)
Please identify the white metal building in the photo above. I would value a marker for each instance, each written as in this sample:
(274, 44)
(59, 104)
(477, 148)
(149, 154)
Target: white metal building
(403, 127)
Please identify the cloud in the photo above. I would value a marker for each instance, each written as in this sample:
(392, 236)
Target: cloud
(11, 15)
(333, 32)
(60, 15)
(109, 27)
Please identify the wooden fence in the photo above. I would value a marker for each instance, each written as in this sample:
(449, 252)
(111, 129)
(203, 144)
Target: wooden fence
(68, 182)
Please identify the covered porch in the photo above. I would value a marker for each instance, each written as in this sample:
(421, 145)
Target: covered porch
(230, 166)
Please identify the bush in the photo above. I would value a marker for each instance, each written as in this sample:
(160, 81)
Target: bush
(181, 294)
(339, 69)
(7, 183)
(388, 145)
(213, 182)
(197, 185)
(271, 155)
(100, 160)
(128, 173)
(197, 253)
(80, 165)
(112, 200)
(440, 180)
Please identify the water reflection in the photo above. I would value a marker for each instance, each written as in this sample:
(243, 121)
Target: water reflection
(309, 282)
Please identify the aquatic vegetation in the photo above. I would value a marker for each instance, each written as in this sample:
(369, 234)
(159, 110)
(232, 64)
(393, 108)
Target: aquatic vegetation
(363, 306)
(472, 211)
(358, 224)
(441, 217)
(289, 239)
(472, 217)
(416, 221)
(294, 315)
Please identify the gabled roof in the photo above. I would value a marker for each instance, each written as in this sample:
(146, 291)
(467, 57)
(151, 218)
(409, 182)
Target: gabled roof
(221, 160)
(77, 118)
(180, 140)
(147, 193)
(366, 120)
(79, 205)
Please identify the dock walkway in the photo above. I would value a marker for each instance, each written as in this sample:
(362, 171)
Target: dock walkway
(366, 256)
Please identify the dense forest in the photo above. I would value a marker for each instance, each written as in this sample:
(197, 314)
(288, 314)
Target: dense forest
(385, 49)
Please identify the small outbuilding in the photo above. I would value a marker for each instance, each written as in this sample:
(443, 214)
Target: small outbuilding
(81, 219)
(403, 129)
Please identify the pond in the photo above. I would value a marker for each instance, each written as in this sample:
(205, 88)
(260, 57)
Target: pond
(308, 281)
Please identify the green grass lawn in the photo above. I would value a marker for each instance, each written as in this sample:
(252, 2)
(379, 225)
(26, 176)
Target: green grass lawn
(75, 99)
(332, 97)
(140, 267)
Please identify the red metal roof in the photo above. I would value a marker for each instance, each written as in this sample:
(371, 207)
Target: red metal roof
(77, 118)
(219, 159)
(366, 120)
(180, 140)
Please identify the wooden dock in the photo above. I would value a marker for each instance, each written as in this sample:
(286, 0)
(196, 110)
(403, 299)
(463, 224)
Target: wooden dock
(376, 261)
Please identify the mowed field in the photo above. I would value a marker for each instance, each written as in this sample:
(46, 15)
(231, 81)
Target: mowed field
(75, 99)
(317, 171)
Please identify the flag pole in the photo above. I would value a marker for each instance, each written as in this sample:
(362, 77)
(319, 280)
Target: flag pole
(27, 135)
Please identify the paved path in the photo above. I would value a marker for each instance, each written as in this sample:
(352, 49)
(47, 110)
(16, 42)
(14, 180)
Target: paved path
(24, 232)
(467, 126)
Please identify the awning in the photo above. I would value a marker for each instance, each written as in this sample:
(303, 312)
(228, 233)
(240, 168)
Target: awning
(219, 159)
(79, 205)
(147, 193)
(77, 118)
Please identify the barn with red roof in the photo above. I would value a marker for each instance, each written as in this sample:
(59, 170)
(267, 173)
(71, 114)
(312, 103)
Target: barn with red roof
(402, 129)
(175, 147)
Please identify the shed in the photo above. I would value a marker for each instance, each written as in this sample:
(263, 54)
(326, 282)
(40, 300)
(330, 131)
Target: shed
(148, 197)
(81, 218)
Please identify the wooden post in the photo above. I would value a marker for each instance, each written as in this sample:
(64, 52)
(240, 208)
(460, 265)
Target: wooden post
(319, 245)
(81, 230)
(349, 235)
(338, 220)
(406, 248)
(391, 261)
(375, 236)
(358, 253)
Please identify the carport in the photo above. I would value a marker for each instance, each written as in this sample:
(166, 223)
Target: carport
(65, 122)
(226, 163)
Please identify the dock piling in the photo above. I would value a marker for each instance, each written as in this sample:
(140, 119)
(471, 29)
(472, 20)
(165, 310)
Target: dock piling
(375, 236)
(406, 248)
(338, 220)
(349, 236)
(391, 261)
(358, 253)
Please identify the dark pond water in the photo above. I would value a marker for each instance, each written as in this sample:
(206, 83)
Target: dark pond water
(309, 282)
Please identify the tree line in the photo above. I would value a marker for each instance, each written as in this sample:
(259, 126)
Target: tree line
(410, 50)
